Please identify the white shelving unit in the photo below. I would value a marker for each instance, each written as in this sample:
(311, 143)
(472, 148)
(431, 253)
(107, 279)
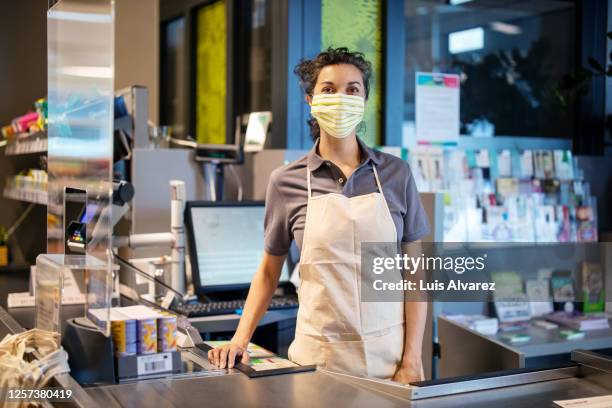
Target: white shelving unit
(27, 144)
(27, 195)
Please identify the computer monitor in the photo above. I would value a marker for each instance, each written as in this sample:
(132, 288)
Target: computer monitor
(226, 244)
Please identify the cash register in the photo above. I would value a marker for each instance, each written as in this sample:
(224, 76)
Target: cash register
(226, 244)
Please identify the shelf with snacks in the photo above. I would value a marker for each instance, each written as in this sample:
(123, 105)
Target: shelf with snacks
(27, 143)
(30, 186)
(27, 133)
(30, 196)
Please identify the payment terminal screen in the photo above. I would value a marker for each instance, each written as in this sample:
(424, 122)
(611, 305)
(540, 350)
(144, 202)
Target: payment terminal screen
(229, 243)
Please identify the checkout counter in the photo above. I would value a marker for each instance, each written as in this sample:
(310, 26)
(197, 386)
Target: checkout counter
(588, 375)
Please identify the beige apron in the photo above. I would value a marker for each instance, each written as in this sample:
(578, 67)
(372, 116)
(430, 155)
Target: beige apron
(335, 330)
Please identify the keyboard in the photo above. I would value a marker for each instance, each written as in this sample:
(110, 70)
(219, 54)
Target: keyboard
(220, 307)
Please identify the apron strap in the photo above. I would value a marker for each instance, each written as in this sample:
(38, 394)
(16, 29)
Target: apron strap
(380, 190)
(308, 180)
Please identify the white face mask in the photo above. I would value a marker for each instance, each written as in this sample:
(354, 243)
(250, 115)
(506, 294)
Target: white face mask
(338, 114)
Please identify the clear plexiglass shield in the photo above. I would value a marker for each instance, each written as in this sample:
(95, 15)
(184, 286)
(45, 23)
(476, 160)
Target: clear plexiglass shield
(80, 35)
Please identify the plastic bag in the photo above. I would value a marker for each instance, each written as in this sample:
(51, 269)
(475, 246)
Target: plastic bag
(16, 372)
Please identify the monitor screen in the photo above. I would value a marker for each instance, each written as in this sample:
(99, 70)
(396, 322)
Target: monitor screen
(227, 243)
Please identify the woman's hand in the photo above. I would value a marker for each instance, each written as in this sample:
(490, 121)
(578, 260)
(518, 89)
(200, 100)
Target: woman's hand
(225, 356)
(262, 288)
(409, 372)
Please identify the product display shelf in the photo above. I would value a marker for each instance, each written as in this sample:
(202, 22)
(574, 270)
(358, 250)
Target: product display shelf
(27, 144)
(27, 195)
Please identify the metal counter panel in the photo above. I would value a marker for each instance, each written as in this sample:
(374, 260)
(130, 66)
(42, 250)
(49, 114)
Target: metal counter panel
(313, 389)
(531, 395)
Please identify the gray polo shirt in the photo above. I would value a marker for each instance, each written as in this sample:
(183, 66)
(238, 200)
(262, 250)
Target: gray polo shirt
(287, 195)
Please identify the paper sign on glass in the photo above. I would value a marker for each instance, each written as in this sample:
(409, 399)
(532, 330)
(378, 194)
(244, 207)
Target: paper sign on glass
(437, 107)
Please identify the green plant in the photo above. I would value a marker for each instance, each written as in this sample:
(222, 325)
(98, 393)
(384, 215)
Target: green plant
(576, 85)
(3, 236)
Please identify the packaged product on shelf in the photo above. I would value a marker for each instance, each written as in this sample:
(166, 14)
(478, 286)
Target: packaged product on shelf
(156, 330)
(419, 167)
(436, 168)
(481, 324)
(564, 164)
(42, 110)
(498, 227)
(526, 164)
(146, 327)
(538, 293)
(578, 321)
(543, 164)
(516, 338)
(566, 231)
(545, 224)
(23, 123)
(571, 334)
(504, 164)
(166, 332)
(512, 310)
(509, 284)
(562, 287)
(592, 287)
(551, 186)
(123, 332)
(8, 132)
(482, 159)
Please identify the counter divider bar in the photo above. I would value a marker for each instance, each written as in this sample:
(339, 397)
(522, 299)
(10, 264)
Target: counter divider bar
(481, 384)
(10, 323)
(592, 360)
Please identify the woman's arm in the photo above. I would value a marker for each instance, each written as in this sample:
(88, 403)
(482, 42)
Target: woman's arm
(415, 311)
(262, 288)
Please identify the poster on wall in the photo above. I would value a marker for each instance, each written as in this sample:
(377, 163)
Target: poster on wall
(437, 108)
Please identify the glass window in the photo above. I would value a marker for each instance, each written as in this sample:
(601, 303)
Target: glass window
(510, 57)
(260, 55)
(172, 103)
(226, 71)
(249, 86)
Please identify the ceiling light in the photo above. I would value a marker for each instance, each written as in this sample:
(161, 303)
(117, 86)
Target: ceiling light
(466, 40)
(506, 28)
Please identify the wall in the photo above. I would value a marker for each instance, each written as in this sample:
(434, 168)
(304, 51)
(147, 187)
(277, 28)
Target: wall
(137, 48)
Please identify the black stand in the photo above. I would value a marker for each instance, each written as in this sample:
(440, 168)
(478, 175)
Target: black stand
(219, 179)
(90, 353)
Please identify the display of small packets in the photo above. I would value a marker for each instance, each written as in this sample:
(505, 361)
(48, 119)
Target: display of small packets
(270, 363)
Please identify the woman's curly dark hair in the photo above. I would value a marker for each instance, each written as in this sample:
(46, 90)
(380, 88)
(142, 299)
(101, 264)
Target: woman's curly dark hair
(308, 72)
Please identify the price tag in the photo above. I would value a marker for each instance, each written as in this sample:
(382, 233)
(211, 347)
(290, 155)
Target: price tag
(155, 363)
(167, 301)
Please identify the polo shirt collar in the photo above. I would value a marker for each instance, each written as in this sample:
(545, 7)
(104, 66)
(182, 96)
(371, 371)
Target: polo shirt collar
(315, 161)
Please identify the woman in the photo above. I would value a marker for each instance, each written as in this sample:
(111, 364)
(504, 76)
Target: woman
(340, 194)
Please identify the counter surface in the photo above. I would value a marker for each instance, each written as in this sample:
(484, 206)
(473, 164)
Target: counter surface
(319, 389)
(312, 389)
(323, 389)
